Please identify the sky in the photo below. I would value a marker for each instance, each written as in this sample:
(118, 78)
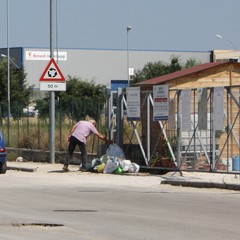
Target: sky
(184, 25)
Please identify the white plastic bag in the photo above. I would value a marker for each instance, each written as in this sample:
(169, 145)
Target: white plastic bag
(125, 164)
(111, 165)
(134, 168)
(115, 151)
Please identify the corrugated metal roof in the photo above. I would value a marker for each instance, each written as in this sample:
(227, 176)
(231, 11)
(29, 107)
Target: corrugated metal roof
(182, 73)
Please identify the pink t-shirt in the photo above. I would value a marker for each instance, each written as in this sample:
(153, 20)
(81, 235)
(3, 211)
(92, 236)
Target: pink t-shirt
(83, 130)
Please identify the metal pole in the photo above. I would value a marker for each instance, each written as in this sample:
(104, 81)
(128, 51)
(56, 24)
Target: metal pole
(179, 132)
(128, 29)
(120, 118)
(148, 129)
(8, 78)
(52, 94)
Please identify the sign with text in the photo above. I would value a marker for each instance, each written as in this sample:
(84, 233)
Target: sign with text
(50, 86)
(44, 56)
(133, 103)
(161, 105)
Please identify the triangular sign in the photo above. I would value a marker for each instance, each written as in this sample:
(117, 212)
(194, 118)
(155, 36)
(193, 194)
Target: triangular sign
(52, 73)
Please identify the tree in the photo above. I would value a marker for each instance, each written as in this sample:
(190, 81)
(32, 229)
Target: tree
(20, 92)
(157, 69)
(81, 99)
(191, 63)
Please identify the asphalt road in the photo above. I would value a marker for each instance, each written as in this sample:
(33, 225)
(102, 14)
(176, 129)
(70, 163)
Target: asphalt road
(54, 205)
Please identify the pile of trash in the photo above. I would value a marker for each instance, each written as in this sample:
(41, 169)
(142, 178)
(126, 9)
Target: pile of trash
(114, 162)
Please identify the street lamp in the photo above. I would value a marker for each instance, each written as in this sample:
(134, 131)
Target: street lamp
(128, 29)
(221, 37)
(5, 56)
(8, 75)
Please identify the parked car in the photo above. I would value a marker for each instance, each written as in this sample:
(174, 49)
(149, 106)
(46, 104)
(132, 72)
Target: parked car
(3, 155)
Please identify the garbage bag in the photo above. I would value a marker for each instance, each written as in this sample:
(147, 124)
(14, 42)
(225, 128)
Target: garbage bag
(125, 164)
(115, 151)
(119, 170)
(111, 165)
(104, 158)
(100, 168)
(95, 162)
(134, 168)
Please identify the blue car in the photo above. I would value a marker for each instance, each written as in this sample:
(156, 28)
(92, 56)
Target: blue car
(3, 155)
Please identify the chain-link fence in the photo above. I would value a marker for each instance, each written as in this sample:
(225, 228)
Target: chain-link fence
(30, 130)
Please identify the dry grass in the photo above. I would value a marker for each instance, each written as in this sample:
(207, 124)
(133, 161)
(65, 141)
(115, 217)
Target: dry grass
(33, 133)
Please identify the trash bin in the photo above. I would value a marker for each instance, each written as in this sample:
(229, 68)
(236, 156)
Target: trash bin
(236, 163)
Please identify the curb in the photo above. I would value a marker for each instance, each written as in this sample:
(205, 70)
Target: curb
(22, 169)
(198, 184)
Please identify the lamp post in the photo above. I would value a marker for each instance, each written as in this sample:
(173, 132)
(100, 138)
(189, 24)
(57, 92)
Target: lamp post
(221, 37)
(128, 29)
(5, 56)
(8, 76)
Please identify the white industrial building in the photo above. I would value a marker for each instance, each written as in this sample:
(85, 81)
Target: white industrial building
(100, 65)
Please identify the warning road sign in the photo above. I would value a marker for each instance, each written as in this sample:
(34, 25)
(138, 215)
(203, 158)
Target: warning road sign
(52, 73)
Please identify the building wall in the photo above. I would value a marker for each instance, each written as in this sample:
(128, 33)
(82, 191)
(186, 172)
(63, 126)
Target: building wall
(220, 55)
(101, 65)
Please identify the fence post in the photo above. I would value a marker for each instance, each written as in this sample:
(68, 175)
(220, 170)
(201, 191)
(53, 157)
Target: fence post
(119, 118)
(179, 135)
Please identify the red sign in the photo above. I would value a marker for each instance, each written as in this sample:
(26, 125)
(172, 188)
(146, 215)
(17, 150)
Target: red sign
(52, 73)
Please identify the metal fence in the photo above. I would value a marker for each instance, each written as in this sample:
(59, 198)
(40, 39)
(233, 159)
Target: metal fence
(31, 131)
(163, 144)
(169, 144)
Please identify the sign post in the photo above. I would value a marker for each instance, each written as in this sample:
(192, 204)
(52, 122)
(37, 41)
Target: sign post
(52, 80)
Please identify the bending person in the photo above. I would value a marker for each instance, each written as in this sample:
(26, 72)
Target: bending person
(78, 136)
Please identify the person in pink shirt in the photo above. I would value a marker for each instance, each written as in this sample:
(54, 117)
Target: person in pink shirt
(78, 136)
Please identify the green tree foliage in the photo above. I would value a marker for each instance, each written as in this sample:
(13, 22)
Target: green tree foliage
(191, 63)
(81, 99)
(20, 92)
(157, 69)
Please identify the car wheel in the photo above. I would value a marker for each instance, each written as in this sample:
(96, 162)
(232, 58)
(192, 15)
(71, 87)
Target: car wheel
(3, 167)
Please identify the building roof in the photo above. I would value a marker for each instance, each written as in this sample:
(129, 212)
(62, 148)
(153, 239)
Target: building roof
(182, 73)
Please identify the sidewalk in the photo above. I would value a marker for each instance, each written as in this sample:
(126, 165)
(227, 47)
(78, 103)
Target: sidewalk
(229, 181)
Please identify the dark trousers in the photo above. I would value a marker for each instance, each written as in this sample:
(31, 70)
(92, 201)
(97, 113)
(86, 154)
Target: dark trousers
(73, 142)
